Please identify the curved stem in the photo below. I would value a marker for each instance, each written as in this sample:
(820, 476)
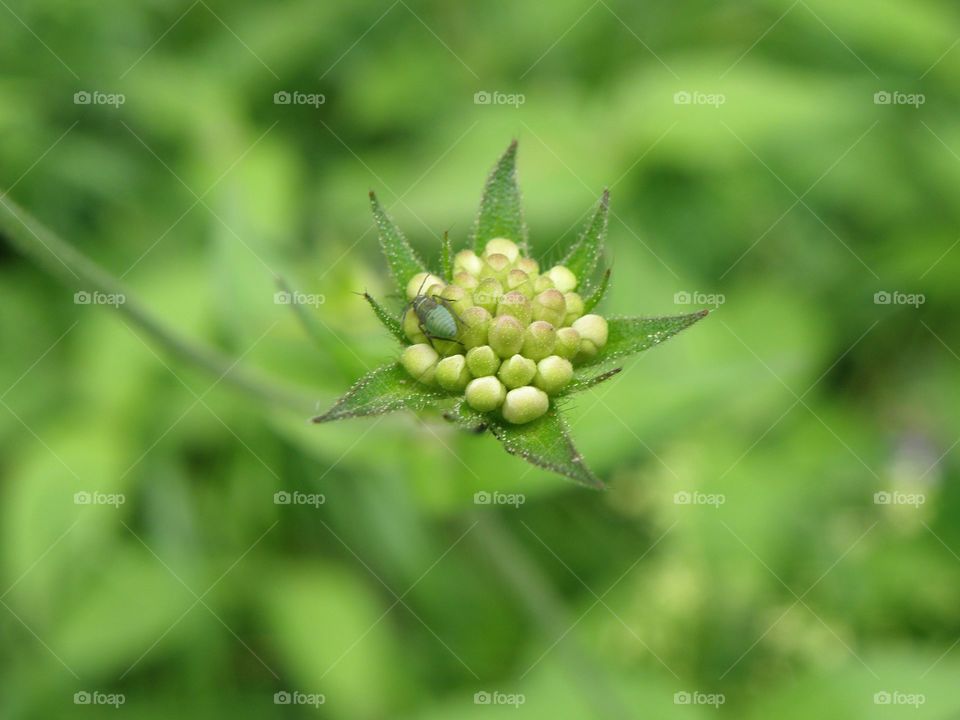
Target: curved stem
(59, 258)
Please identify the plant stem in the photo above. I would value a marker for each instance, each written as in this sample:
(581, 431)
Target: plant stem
(62, 260)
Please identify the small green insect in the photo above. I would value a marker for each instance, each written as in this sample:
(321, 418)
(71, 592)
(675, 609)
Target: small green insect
(436, 318)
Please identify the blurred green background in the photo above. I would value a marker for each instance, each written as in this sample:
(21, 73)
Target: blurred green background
(785, 187)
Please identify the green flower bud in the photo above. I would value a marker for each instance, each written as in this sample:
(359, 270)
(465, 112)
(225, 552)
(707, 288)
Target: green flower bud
(525, 404)
(529, 266)
(485, 394)
(497, 266)
(592, 328)
(574, 307)
(482, 361)
(457, 298)
(466, 280)
(452, 373)
(505, 335)
(519, 281)
(503, 246)
(563, 279)
(553, 373)
(516, 304)
(550, 306)
(420, 282)
(539, 340)
(541, 283)
(517, 371)
(420, 361)
(568, 343)
(467, 261)
(411, 327)
(476, 322)
(435, 290)
(488, 294)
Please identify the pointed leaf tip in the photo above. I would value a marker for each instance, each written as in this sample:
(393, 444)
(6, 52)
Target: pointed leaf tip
(402, 259)
(627, 336)
(380, 391)
(584, 254)
(501, 206)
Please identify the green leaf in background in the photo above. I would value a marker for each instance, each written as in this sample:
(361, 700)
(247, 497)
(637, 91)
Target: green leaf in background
(380, 391)
(584, 254)
(546, 443)
(597, 294)
(501, 208)
(632, 335)
(389, 321)
(403, 261)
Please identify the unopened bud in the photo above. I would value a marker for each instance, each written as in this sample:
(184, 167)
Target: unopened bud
(497, 266)
(539, 339)
(420, 361)
(519, 281)
(550, 306)
(457, 298)
(485, 394)
(466, 280)
(574, 307)
(476, 322)
(488, 294)
(529, 266)
(568, 343)
(593, 335)
(563, 279)
(505, 335)
(541, 283)
(482, 361)
(467, 261)
(421, 282)
(516, 304)
(452, 374)
(503, 247)
(525, 404)
(411, 327)
(553, 373)
(517, 371)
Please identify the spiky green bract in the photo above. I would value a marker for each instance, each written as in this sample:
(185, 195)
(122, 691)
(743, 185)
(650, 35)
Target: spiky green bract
(627, 336)
(597, 293)
(389, 321)
(403, 261)
(584, 254)
(383, 390)
(501, 208)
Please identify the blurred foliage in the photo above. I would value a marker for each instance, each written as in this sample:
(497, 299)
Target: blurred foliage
(797, 199)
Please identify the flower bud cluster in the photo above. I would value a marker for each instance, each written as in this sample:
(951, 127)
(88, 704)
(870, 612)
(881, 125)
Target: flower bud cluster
(520, 332)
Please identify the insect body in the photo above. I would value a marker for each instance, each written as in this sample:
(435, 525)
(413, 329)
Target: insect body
(435, 316)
